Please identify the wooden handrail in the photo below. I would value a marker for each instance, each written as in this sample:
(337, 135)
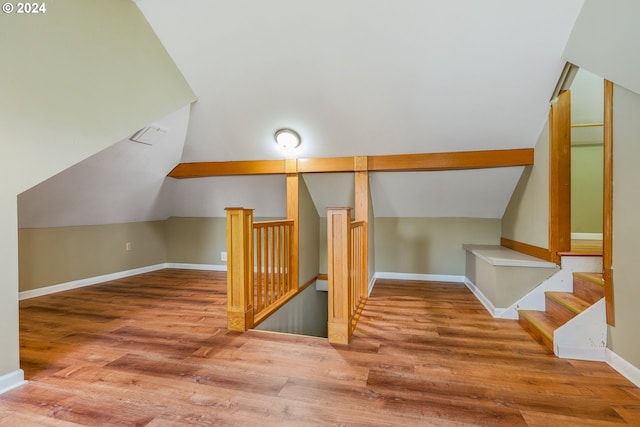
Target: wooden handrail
(271, 223)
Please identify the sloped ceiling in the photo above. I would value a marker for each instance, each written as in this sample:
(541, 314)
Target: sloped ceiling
(587, 106)
(124, 183)
(364, 77)
(368, 77)
(353, 78)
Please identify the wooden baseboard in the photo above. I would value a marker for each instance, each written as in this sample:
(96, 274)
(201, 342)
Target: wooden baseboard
(525, 248)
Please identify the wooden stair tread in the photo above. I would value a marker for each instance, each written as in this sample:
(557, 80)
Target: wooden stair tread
(561, 307)
(542, 321)
(596, 278)
(569, 301)
(588, 286)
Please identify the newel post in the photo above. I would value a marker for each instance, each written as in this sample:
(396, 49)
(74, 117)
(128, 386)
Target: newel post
(338, 256)
(239, 269)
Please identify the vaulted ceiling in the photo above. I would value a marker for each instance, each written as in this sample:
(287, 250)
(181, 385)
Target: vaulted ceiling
(364, 77)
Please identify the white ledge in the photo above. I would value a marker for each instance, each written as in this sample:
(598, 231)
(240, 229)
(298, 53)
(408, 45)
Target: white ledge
(505, 257)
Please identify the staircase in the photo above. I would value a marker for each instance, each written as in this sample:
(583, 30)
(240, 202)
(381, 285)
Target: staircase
(561, 307)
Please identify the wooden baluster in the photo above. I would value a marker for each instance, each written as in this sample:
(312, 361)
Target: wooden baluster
(239, 269)
(272, 295)
(260, 278)
(338, 260)
(276, 263)
(290, 258)
(283, 282)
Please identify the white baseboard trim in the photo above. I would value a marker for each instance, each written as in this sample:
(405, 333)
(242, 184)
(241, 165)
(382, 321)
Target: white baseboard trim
(372, 283)
(594, 354)
(11, 380)
(424, 277)
(586, 236)
(493, 310)
(207, 267)
(114, 276)
(625, 368)
(86, 282)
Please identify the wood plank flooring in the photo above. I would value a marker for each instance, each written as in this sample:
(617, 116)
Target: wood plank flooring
(585, 247)
(153, 350)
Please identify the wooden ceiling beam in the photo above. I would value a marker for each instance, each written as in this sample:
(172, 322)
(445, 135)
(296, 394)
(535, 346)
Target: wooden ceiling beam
(390, 163)
(243, 167)
(329, 164)
(451, 160)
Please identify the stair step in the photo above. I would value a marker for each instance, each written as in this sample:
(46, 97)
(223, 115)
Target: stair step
(540, 325)
(564, 306)
(588, 286)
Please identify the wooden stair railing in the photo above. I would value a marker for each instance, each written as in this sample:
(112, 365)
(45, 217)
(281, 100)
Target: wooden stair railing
(273, 281)
(259, 260)
(347, 274)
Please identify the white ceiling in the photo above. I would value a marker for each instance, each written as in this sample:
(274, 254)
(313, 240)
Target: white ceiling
(358, 77)
(123, 183)
(364, 77)
(587, 106)
(482, 193)
(368, 77)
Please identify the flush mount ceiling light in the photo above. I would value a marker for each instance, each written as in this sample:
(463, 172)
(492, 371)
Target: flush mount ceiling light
(287, 138)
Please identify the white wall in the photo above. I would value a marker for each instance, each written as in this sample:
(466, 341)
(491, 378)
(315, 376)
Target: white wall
(605, 40)
(208, 197)
(526, 218)
(624, 338)
(69, 91)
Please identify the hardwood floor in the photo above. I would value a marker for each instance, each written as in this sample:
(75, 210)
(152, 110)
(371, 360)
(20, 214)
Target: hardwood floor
(586, 247)
(153, 350)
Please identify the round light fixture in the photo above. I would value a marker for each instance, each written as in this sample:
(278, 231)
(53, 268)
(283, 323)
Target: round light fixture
(287, 138)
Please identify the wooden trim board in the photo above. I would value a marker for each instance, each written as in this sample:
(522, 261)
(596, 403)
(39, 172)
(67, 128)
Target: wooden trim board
(456, 160)
(560, 176)
(607, 214)
(244, 167)
(525, 248)
(451, 160)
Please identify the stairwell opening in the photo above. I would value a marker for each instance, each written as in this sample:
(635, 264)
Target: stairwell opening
(306, 314)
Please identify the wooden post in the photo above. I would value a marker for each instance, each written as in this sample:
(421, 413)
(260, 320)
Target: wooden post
(362, 214)
(239, 269)
(338, 256)
(293, 212)
(607, 228)
(560, 176)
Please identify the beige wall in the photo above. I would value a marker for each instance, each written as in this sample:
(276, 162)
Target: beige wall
(306, 314)
(526, 218)
(50, 256)
(66, 96)
(586, 188)
(623, 338)
(606, 52)
(322, 243)
(429, 245)
(372, 240)
(308, 235)
(196, 240)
